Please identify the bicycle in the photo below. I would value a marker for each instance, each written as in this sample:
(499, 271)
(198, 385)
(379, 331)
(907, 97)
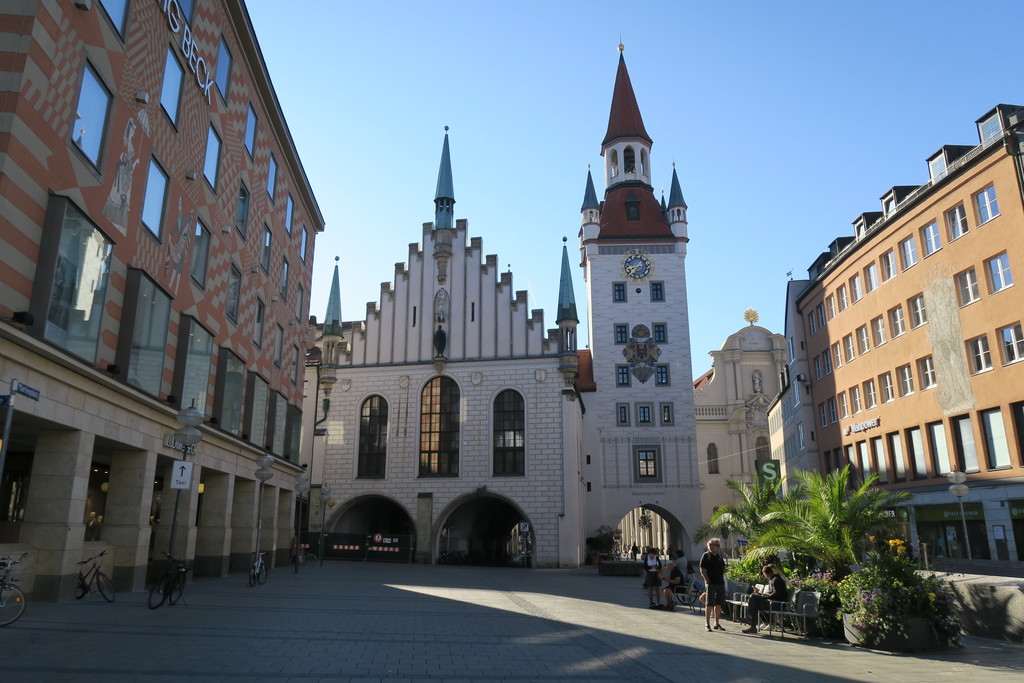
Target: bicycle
(12, 600)
(258, 570)
(688, 595)
(94, 579)
(171, 585)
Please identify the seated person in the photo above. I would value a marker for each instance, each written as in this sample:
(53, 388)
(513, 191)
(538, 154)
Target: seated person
(673, 582)
(775, 590)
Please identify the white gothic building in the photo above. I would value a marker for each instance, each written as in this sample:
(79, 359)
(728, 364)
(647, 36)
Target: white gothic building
(452, 420)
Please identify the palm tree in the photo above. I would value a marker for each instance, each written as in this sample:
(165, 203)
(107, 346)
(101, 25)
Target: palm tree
(828, 520)
(745, 518)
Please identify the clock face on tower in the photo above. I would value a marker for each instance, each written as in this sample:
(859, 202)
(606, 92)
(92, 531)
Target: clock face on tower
(636, 264)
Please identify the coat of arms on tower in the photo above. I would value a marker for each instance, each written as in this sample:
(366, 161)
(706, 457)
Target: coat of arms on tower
(641, 353)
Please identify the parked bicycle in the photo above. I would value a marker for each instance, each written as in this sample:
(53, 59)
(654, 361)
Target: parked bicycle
(258, 571)
(12, 600)
(170, 586)
(94, 580)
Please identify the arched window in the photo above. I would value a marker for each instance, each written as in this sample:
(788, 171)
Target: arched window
(373, 437)
(643, 161)
(509, 434)
(761, 449)
(439, 428)
(712, 459)
(614, 162)
(629, 160)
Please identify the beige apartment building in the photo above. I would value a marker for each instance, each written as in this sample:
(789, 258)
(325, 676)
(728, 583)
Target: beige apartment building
(914, 347)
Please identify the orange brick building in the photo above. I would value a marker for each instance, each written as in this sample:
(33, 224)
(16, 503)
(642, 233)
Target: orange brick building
(157, 235)
(914, 346)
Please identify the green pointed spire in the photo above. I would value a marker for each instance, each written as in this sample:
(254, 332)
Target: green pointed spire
(332, 321)
(444, 198)
(566, 297)
(675, 195)
(589, 195)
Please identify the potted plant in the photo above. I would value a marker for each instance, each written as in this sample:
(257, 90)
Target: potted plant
(891, 605)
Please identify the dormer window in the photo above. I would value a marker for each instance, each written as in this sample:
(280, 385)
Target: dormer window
(990, 128)
(629, 160)
(937, 168)
(890, 206)
(632, 207)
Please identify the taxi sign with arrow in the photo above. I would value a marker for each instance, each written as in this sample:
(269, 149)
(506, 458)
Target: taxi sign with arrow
(182, 475)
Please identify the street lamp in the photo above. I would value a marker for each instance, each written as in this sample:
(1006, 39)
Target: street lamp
(186, 438)
(263, 473)
(325, 500)
(301, 486)
(959, 489)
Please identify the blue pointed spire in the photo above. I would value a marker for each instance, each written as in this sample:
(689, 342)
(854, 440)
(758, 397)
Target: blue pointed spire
(589, 195)
(566, 297)
(675, 195)
(444, 198)
(332, 321)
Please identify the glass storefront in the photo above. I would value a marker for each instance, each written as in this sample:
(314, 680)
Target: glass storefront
(941, 528)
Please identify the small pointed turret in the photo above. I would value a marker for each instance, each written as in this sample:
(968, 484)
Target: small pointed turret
(675, 195)
(568, 361)
(589, 194)
(676, 212)
(444, 198)
(332, 321)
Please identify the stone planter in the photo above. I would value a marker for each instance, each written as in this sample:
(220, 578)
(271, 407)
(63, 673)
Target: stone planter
(920, 636)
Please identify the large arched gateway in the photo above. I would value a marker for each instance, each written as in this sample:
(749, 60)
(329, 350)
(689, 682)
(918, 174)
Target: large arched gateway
(483, 529)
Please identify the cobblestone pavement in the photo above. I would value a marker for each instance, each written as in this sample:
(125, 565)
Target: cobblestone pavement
(349, 621)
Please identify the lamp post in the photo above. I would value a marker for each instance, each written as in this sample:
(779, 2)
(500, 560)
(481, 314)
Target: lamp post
(301, 486)
(959, 489)
(263, 473)
(186, 438)
(325, 499)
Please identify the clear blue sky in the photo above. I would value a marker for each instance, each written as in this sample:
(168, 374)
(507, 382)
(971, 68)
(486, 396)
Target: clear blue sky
(786, 120)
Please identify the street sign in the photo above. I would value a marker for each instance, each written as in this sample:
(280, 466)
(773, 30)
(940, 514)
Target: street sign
(181, 478)
(5, 400)
(28, 391)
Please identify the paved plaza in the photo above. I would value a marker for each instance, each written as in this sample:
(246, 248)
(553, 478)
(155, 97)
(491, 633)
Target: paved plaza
(350, 621)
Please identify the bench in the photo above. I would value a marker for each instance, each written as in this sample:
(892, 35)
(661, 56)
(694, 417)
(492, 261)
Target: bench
(737, 596)
(801, 607)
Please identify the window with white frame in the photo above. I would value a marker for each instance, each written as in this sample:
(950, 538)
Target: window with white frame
(863, 343)
(888, 261)
(817, 367)
(963, 438)
(878, 455)
(930, 240)
(878, 330)
(856, 288)
(999, 275)
(812, 322)
(848, 347)
(871, 277)
(844, 302)
(905, 376)
(917, 453)
(844, 409)
(823, 410)
(926, 372)
(885, 383)
(1012, 342)
(918, 312)
(967, 287)
(896, 449)
(832, 410)
(956, 222)
(855, 403)
(990, 129)
(821, 314)
(837, 355)
(826, 359)
(937, 441)
(908, 252)
(986, 204)
(870, 394)
(978, 354)
(897, 324)
(830, 306)
(995, 438)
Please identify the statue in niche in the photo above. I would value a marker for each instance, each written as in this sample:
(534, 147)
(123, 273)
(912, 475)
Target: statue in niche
(440, 341)
(441, 304)
(758, 384)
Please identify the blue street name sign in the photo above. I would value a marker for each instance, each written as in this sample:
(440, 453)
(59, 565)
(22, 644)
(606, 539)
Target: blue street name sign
(26, 390)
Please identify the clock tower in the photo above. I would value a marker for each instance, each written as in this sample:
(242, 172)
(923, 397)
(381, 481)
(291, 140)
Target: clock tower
(639, 432)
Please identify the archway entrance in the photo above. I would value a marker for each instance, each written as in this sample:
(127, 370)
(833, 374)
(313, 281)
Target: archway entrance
(370, 528)
(485, 530)
(653, 526)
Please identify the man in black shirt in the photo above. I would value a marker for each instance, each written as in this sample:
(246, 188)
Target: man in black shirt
(712, 569)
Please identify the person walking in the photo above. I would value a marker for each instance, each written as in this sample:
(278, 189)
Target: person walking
(712, 569)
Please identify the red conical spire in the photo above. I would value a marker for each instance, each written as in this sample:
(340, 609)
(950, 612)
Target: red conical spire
(624, 120)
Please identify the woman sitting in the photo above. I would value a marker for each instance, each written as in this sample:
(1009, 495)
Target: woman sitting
(758, 606)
